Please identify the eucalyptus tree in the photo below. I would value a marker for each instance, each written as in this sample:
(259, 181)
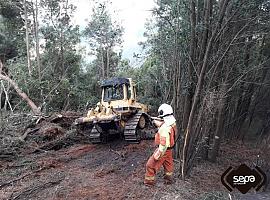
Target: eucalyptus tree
(215, 52)
(167, 48)
(104, 36)
(12, 45)
(60, 57)
(11, 30)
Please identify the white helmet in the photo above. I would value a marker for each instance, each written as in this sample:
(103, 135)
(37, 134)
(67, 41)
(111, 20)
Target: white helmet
(165, 110)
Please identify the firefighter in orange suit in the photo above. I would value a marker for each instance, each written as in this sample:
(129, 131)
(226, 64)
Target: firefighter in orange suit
(165, 139)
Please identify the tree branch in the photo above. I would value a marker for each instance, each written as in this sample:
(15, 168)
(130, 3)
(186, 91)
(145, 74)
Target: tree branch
(31, 104)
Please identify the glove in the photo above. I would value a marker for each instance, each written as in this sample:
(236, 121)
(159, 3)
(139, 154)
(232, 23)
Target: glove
(157, 123)
(157, 154)
(78, 121)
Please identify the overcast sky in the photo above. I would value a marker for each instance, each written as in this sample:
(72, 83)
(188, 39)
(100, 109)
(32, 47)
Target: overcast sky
(132, 15)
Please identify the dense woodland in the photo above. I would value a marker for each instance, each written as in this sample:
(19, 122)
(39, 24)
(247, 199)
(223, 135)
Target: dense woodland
(209, 59)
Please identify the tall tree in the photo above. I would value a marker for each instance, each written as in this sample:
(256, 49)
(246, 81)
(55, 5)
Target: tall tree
(35, 13)
(104, 35)
(12, 33)
(202, 43)
(27, 37)
(60, 55)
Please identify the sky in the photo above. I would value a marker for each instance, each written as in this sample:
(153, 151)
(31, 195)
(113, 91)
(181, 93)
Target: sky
(132, 15)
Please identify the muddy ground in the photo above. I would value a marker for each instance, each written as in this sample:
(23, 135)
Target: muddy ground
(113, 171)
(32, 169)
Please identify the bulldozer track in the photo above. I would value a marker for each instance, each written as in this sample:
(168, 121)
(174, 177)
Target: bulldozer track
(131, 132)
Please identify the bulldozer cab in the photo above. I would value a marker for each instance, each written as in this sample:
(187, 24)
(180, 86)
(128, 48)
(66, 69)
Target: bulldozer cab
(118, 89)
(112, 93)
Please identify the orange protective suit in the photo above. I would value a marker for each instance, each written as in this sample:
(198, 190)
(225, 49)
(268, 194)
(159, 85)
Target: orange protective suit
(162, 156)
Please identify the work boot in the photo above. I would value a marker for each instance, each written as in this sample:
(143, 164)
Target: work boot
(168, 179)
(149, 182)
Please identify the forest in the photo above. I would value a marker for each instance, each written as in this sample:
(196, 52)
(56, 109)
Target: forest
(208, 59)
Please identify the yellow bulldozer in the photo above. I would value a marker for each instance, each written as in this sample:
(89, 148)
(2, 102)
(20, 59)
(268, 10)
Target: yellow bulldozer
(117, 114)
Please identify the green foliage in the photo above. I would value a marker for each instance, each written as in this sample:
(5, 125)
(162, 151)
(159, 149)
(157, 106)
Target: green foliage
(101, 31)
(68, 83)
(60, 59)
(89, 88)
(11, 30)
(125, 70)
(104, 35)
(147, 84)
(61, 78)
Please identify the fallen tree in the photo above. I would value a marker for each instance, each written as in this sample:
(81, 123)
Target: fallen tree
(26, 134)
(23, 95)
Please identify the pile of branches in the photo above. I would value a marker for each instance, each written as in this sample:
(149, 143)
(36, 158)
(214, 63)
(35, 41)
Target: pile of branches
(24, 133)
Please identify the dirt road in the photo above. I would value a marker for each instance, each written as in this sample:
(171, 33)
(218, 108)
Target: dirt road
(111, 171)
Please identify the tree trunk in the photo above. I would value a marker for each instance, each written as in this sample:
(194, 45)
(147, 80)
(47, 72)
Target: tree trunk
(62, 53)
(27, 39)
(188, 95)
(1, 91)
(219, 128)
(108, 62)
(192, 112)
(103, 64)
(208, 11)
(35, 18)
(188, 135)
(31, 104)
(7, 102)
